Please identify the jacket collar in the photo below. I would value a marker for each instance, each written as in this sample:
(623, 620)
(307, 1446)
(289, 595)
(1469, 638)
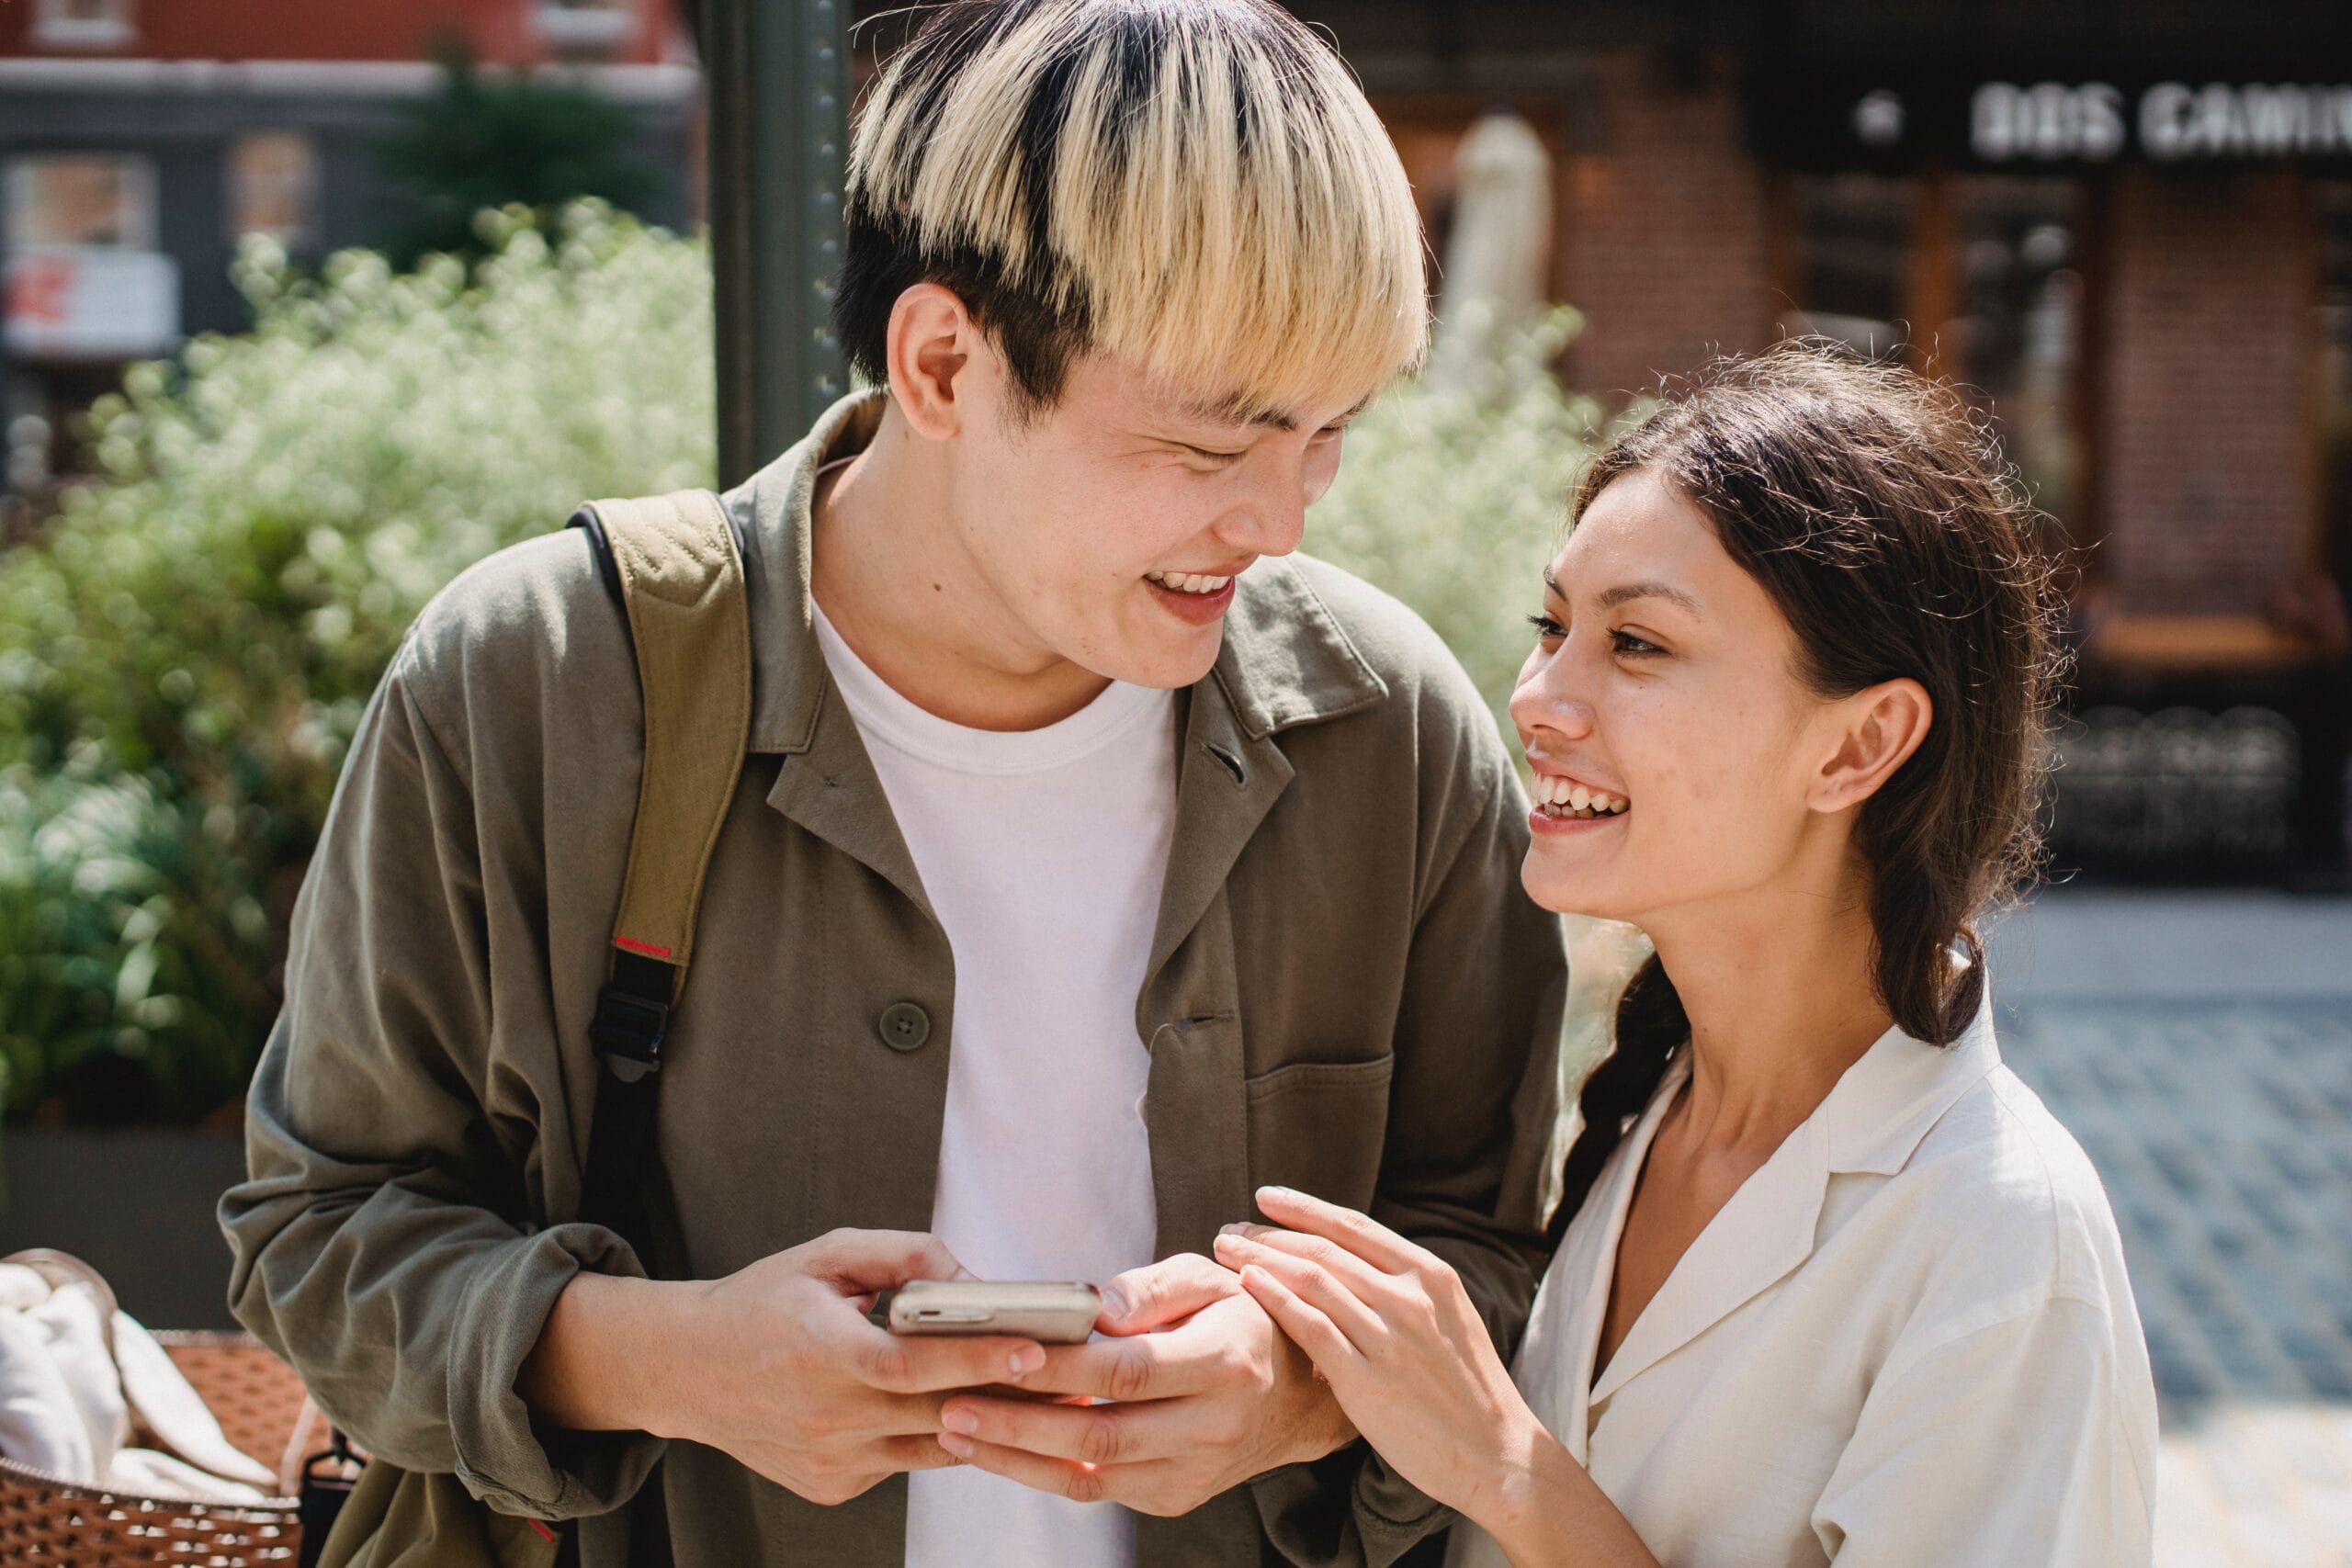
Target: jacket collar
(1285, 661)
(1871, 1122)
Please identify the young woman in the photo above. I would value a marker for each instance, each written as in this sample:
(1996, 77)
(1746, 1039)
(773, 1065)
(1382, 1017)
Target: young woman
(1833, 1285)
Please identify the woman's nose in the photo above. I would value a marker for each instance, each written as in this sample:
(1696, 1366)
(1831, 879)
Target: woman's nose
(1543, 700)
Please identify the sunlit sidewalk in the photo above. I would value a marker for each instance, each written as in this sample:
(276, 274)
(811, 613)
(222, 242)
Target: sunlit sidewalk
(2200, 1047)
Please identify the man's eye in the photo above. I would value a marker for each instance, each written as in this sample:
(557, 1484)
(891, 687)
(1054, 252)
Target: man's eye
(1546, 629)
(1211, 453)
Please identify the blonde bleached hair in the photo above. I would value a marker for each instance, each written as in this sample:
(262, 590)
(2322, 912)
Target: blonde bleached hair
(1193, 187)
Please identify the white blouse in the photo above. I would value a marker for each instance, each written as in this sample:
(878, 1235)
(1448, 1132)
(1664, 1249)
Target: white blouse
(1907, 1339)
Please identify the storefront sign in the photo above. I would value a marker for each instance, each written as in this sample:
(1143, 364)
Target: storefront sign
(91, 302)
(1842, 113)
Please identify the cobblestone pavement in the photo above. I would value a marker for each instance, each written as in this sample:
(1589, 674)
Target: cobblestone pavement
(2200, 1048)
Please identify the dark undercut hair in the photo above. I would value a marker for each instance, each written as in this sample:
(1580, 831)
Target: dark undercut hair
(1198, 185)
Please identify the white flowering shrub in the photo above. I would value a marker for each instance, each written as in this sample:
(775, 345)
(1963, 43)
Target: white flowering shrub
(185, 650)
(1455, 500)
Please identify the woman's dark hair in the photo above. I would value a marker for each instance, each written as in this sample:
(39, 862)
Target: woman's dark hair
(1874, 509)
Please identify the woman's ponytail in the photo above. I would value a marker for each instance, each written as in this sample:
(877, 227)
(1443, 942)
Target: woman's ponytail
(1651, 1027)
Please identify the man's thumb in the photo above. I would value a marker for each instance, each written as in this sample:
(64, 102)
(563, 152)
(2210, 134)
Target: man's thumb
(882, 1260)
(1159, 1294)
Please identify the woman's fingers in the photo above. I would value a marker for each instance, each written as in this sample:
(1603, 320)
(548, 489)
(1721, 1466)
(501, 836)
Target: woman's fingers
(1363, 1278)
(1357, 1232)
(1357, 1314)
(1332, 1352)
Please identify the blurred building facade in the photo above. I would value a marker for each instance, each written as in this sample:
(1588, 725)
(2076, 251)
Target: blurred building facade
(142, 140)
(2127, 229)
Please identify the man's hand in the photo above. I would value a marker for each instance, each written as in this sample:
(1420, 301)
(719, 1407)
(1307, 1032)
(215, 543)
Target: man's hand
(775, 1364)
(1208, 1392)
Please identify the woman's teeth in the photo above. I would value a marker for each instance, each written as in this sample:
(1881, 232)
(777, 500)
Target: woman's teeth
(1562, 797)
(1187, 581)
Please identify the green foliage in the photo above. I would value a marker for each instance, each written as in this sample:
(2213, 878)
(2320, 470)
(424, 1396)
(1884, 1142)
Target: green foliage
(1455, 500)
(185, 651)
(484, 144)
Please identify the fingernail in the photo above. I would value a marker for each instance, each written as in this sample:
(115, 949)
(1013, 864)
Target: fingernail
(957, 1419)
(960, 1446)
(1277, 1192)
(1229, 1241)
(1114, 1303)
(1028, 1359)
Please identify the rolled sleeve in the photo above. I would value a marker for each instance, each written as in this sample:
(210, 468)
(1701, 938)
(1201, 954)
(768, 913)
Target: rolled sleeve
(390, 1241)
(1348, 1509)
(502, 1454)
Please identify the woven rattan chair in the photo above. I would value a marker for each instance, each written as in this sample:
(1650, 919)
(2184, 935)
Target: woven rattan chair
(260, 1405)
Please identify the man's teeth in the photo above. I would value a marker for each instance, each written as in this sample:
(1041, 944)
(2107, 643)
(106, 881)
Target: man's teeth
(1562, 797)
(1188, 581)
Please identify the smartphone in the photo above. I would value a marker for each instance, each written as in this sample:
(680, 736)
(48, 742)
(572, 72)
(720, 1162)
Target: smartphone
(1052, 1312)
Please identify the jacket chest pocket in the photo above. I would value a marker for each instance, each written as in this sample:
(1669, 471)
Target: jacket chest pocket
(1320, 1127)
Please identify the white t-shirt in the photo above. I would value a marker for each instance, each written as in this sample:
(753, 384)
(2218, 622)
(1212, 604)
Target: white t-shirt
(1043, 853)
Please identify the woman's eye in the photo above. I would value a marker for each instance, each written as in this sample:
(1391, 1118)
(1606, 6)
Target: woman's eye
(1627, 643)
(1546, 629)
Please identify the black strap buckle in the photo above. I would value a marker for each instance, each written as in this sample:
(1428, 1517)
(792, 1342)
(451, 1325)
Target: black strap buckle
(629, 1030)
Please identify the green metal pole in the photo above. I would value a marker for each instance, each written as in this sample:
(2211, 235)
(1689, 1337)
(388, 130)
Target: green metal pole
(779, 141)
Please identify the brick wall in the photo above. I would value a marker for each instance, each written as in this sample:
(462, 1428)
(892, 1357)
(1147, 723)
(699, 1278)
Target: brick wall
(1662, 228)
(2207, 471)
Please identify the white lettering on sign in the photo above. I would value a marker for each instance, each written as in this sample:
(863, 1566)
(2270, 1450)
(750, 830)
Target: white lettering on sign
(2057, 121)
(2046, 122)
(2220, 121)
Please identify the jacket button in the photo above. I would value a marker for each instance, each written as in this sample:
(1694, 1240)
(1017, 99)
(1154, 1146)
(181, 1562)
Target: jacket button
(904, 1026)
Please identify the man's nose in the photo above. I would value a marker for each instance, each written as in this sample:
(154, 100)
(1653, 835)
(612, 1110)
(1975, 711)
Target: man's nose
(1271, 518)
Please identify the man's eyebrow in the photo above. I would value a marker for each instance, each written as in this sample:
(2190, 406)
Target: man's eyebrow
(1237, 411)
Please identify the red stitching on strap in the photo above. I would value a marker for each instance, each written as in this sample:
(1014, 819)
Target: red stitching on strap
(645, 947)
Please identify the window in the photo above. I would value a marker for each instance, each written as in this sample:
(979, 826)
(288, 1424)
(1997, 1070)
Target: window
(2017, 338)
(273, 186)
(1853, 262)
(81, 24)
(1976, 280)
(587, 25)
(85, 279)
(2334, 334)
(102, 200)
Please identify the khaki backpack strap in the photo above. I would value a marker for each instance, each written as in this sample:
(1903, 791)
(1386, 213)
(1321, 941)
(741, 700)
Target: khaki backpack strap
(673, 562)
(681, 583)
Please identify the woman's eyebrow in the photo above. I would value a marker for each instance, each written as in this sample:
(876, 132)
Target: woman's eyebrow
(1625, 592)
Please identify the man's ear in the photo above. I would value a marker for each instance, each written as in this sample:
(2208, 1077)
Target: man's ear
(933, 353)
(1880, 726)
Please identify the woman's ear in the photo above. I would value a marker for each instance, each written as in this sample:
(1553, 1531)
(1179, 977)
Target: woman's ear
(934, 351)
(1880, 726)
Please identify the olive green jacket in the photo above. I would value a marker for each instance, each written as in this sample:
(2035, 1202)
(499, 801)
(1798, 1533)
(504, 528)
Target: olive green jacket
(1348, 993)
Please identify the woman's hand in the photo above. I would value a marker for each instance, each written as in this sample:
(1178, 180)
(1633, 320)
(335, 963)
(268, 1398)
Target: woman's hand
(1388, 1324)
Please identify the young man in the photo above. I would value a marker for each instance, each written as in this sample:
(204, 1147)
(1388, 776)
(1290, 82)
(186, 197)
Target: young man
(1091, 865)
